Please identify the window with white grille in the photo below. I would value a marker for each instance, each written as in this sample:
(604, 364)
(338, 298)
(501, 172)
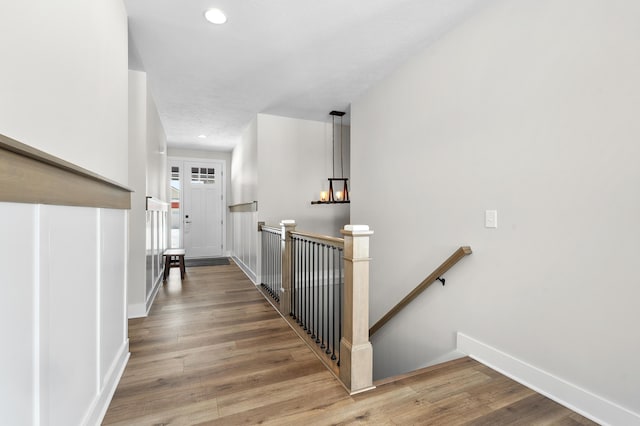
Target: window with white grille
(203, 175)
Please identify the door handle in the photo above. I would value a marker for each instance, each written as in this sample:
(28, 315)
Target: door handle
(187, 221)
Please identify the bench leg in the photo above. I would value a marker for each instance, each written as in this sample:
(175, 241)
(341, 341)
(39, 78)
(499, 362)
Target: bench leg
(167, 265)
(182, 268)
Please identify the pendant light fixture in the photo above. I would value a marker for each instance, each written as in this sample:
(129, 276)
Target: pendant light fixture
(335, 195)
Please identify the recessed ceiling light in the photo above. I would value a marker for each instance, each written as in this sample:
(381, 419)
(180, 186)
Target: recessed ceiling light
(202, 136)
(215, 16)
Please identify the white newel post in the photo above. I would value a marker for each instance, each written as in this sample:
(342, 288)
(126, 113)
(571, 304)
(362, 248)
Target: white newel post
(356, 352)
(287, 226)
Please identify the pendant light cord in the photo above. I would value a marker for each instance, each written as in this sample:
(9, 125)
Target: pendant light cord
(333, 146)
(341, 163)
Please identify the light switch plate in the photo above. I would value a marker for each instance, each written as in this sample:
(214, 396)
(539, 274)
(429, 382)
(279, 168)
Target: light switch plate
(491, 218)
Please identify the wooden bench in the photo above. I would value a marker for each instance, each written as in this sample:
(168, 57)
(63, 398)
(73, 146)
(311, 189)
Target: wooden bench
(173, 258)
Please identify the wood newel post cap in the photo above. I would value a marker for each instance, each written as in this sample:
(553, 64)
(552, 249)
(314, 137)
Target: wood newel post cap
(356, 230)
(288, 223)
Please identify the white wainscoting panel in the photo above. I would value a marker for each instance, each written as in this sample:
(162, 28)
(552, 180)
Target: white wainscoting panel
(18, 384)
(112, 292)
(64, 314)
(69, 318)
(244, 250)
(68, 322)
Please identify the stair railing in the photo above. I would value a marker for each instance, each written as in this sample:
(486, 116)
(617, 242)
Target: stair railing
(271, 261)
(324, 295)
(436, 275)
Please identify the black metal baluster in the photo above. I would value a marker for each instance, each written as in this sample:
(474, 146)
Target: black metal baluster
(317, 292)
(320, 340)
(322, 304)
(270, 263)
(277, 254)
(312, 322)
(340, 297)
(300, 278)
(327, 308)
(335, 334)
(310, 290)
(307, 299)
(273, 265)
(294, 284)
(316, 270)
(303, 283)
(274, 276)
(300, 246)
(329, 301)
(314, 293)
(292, 301)
(270, 276)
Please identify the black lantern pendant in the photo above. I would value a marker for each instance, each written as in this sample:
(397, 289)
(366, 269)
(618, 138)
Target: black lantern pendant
(335, 195)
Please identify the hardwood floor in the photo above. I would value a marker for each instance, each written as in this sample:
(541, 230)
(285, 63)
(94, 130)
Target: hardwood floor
(213, 351)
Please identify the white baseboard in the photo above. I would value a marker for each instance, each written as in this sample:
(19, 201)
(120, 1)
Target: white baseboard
(152, 296)
(247, 271)
(101, 403)
(571, 396)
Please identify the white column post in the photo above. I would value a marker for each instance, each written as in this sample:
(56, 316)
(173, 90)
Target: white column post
(356, 352)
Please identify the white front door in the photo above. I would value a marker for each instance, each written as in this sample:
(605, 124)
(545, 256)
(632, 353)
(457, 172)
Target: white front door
(202, 209)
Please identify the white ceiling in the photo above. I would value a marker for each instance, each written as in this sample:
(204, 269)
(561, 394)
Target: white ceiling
(295, 58)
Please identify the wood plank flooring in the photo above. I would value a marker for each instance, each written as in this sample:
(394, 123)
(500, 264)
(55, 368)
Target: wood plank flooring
(214, 352)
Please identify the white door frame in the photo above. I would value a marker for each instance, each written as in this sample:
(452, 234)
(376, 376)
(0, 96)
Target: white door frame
(180, 161)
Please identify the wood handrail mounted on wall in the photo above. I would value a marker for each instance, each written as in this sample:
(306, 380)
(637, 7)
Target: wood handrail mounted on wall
(251, 206)
(434, 276)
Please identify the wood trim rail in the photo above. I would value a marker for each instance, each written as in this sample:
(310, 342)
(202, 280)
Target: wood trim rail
(333, 240)
(244, 207)
(439, 271)
(268, 228)
(28, 175)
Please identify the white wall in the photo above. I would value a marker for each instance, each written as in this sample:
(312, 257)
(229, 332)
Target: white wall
(529, 108)
(294, 162)
(157, 178)
(136, 293)
(63, 81)
(147, 177)
(244, 167)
